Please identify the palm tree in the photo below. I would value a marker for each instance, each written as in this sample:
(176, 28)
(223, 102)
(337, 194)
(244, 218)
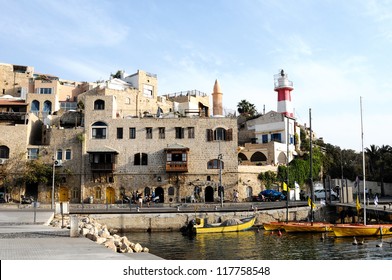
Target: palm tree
(378, 158)
(246, 108)
(385, 153)
(373, 155)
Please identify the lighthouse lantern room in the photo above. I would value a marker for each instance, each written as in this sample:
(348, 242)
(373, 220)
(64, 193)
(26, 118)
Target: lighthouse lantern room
(284, 87)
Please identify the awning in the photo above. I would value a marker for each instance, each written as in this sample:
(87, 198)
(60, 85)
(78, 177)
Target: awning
(176, 146)
(103, 149)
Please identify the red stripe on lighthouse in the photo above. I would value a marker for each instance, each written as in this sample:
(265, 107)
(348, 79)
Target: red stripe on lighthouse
(284, 94)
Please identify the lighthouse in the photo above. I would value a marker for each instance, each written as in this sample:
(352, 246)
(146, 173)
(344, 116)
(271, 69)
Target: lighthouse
(217, 108)
(284, 87)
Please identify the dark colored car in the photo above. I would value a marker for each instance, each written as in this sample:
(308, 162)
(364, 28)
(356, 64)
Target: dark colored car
(272, 195)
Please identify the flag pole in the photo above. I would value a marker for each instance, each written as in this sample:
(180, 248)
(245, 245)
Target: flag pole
(311, 168)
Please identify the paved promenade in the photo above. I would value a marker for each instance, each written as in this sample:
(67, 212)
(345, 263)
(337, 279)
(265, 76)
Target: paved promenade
(26, 235)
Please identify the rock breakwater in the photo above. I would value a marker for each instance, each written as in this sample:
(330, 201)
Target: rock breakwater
(101, 234)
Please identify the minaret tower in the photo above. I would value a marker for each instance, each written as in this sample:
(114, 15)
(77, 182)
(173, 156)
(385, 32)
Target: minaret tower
(217, 108)
(284, 87)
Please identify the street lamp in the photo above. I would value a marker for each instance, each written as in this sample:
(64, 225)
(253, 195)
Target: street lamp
(54, 168)
(220, 187)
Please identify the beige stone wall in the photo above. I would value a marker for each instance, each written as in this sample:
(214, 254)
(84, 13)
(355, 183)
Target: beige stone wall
(11, 82)
(133, 177)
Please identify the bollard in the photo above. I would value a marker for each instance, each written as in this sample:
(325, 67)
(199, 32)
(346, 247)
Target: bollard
(74, 225)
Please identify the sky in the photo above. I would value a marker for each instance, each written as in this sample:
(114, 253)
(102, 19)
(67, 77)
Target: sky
(335, 52)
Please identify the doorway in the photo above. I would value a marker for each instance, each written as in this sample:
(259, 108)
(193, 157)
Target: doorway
(63, 194)
(110, 195)
(209, 194)
(160, 193)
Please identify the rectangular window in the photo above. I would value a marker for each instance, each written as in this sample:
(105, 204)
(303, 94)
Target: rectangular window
(277, 137)
(148, 90)
(191, 132)
(140, 159)
(144, 159)
(44, 90)
(66, 106)
(132, 133)
(59, 154)
(119, 133)
(32, 153)
(179, 132)
(148, 132)
(99, 133)
(161, 133)
(265, 138)
(68, 154)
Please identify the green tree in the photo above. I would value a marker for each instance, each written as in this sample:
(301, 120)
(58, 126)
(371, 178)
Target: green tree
(117, 75)
(38, 172)
(379, 161)
(268, 178)
(246, 108)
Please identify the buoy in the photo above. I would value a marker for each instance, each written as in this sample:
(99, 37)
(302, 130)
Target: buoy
(279, 232)
(362, 242)
(355, 241)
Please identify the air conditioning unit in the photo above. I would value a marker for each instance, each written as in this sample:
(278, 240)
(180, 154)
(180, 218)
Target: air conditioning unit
(58, 162)
(3, 160)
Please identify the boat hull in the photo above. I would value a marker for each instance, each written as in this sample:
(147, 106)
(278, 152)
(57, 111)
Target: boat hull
(246, 224)
(346, 230)
(270, 226)
(308, 227)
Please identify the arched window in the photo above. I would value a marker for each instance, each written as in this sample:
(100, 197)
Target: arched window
(99, 104)
(258, 156)
(4, 152)
(99, 130)
(220, 134)
(47, 107)
(98, 194)
(35, 106)
(249, 192)
(68, 154)
(75, 194)
(127, 100)
(215, 164)
(242, 157)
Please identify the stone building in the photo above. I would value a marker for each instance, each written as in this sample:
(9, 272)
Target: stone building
(117, 137)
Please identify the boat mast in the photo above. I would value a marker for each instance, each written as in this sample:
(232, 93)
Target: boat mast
(287, 164)
(363, 169)
(311, 168)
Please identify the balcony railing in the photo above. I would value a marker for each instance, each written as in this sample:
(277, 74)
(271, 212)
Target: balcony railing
(103, 167)
(176, 166)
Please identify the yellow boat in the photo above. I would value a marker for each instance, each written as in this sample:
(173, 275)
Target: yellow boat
(227, 226)
(343, 230)
(270, 226)
(307, 227)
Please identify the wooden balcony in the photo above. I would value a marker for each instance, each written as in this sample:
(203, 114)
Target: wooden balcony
(176, 166)
(102, 167)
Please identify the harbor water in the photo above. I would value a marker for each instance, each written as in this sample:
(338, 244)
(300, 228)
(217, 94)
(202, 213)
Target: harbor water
(262, 245)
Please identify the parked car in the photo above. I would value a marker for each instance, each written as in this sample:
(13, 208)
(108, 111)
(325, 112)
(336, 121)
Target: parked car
(320, 194)
(272, 195)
